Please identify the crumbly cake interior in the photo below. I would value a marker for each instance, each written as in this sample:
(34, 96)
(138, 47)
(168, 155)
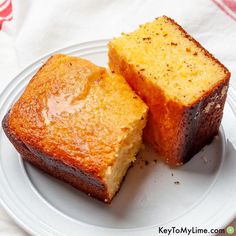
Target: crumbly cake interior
(161, 52)
(125, 156)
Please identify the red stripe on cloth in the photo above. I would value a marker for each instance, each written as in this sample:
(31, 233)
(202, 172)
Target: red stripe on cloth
(220, 5)
(5, 12)
(231, 4)
(3, 3)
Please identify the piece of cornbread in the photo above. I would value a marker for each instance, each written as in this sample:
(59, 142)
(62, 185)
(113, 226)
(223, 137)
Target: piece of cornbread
(181, 82)
(78, 123)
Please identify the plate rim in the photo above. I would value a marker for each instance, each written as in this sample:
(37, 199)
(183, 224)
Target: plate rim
(14, 83)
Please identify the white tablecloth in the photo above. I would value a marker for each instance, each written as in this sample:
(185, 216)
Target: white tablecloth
(41, 26)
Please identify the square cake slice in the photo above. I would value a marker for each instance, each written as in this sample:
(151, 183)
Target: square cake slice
(79, 123)
(182, 83)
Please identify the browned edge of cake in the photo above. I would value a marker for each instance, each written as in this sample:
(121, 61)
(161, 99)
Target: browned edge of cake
(200, 125)
(198, 132)
(91, 185)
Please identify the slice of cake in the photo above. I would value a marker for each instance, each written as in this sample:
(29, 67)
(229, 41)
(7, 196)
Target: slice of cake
(78, 123)
(181, 82)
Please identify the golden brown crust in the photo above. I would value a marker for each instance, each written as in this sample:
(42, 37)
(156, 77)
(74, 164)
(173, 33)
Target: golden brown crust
(70, 111)
(176, 131)
(72, 121)
(37, 117)
(75, 177)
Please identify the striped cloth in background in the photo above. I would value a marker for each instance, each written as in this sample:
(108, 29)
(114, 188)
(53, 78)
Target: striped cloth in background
(228, 7)
(5, 11)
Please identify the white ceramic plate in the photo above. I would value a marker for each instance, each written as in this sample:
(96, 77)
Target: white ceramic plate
(201, 193)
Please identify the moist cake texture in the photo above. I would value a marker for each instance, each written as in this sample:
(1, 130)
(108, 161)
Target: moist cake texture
(79, 123)
(182, 83)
